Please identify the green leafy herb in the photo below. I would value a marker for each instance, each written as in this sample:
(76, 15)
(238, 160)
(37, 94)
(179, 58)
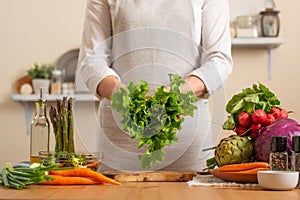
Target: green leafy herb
(43, 71)
(250, 99)
(21, 177)
(153, 120)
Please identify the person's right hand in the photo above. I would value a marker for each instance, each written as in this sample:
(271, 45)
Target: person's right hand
(108, 86)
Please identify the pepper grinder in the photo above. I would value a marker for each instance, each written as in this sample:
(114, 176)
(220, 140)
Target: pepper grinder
(296, 154)
(278, 155)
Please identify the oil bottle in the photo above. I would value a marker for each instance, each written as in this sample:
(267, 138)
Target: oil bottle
(40, 129)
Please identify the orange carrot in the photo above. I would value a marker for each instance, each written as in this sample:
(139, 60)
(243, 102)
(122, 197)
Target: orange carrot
(64, 180)
(85, 172)
(93, 165)
(242, 166)
(252, 171)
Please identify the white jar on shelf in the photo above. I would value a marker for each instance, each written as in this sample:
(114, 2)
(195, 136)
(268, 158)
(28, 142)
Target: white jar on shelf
(56, 82)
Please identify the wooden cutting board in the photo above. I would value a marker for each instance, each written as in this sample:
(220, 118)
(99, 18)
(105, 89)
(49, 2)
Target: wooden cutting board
(156, 176)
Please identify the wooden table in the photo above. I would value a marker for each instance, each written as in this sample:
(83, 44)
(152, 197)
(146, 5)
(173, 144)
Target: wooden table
(147, 190)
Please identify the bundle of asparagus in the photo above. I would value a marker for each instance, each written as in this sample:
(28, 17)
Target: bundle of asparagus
(62, 119)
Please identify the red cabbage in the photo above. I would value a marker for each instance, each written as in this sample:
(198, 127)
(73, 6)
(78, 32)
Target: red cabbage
(283, 127)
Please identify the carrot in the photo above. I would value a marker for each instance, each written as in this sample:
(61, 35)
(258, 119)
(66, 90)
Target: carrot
(64, 180)
(85, 172)
(252, 171)
(242, 166)
(93, 165)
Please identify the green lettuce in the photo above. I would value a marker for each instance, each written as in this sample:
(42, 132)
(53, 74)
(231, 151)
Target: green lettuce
(153, 120)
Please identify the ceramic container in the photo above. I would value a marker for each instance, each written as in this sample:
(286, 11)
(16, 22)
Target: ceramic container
(278, 180)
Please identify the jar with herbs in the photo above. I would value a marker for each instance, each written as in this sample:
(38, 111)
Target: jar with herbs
(278, 155)
(296, 154)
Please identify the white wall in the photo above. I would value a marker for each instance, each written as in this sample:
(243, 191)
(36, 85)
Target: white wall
(42, 30)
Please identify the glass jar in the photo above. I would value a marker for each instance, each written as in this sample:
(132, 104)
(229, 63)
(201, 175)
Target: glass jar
(46, 158)
(270, 23)
(246, 26)
(39, 130)
(278, 155)
(56, 82)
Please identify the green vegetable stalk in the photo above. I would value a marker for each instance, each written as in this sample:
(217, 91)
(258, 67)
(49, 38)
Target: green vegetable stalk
(62, 120)
(71, 125)
(19, 177)
(153, 120)
(64, 124)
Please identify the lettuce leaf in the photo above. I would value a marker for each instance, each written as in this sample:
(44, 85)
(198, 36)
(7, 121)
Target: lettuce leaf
(153, 120)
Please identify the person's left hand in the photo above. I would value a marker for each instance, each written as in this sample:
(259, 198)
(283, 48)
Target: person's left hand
(195, 85)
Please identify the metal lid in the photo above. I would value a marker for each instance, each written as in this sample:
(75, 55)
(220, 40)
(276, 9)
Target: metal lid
(278, 143)
(296, 144)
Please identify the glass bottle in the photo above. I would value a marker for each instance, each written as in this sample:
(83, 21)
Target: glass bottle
(279, 155)
(40, 129)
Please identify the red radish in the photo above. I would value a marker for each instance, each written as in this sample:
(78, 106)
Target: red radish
(270, 119)
(259, 116)
(276, 112)
(244, 119)
(241, 130)
(254, 135)
(178, 117)
(256, 127)
(284, 113)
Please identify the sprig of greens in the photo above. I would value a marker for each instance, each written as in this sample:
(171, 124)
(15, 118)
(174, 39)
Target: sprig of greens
(153, 120)
(250, 99)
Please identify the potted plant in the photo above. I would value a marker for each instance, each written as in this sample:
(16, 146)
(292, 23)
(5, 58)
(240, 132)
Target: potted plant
(41, 76)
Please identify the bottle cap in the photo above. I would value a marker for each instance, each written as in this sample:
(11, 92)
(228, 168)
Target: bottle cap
(56, 72)
(278, 143)
(42, 95)
(296, 144)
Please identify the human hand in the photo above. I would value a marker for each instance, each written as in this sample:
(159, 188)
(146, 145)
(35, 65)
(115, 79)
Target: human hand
(194, 84)
(108, 86)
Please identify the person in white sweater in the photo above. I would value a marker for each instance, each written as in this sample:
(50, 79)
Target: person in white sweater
(133, 40)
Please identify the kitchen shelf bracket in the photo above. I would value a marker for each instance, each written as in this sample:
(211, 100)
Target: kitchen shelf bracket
(270, 43)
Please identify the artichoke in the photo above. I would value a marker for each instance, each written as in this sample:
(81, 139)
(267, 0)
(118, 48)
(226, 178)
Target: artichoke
(234, 150)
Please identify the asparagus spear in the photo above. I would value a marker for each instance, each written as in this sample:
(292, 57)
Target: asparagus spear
(53, 119)
(71, 125)
(64, 123)
(59, 137)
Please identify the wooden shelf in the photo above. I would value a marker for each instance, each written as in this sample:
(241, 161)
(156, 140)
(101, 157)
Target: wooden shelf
(52, 97)
(267, 42)
(270, 43)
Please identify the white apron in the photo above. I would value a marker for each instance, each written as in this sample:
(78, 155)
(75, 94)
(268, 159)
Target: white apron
(150, 40)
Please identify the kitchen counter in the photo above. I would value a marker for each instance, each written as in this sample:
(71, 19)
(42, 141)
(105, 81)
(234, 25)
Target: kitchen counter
(147, 190)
